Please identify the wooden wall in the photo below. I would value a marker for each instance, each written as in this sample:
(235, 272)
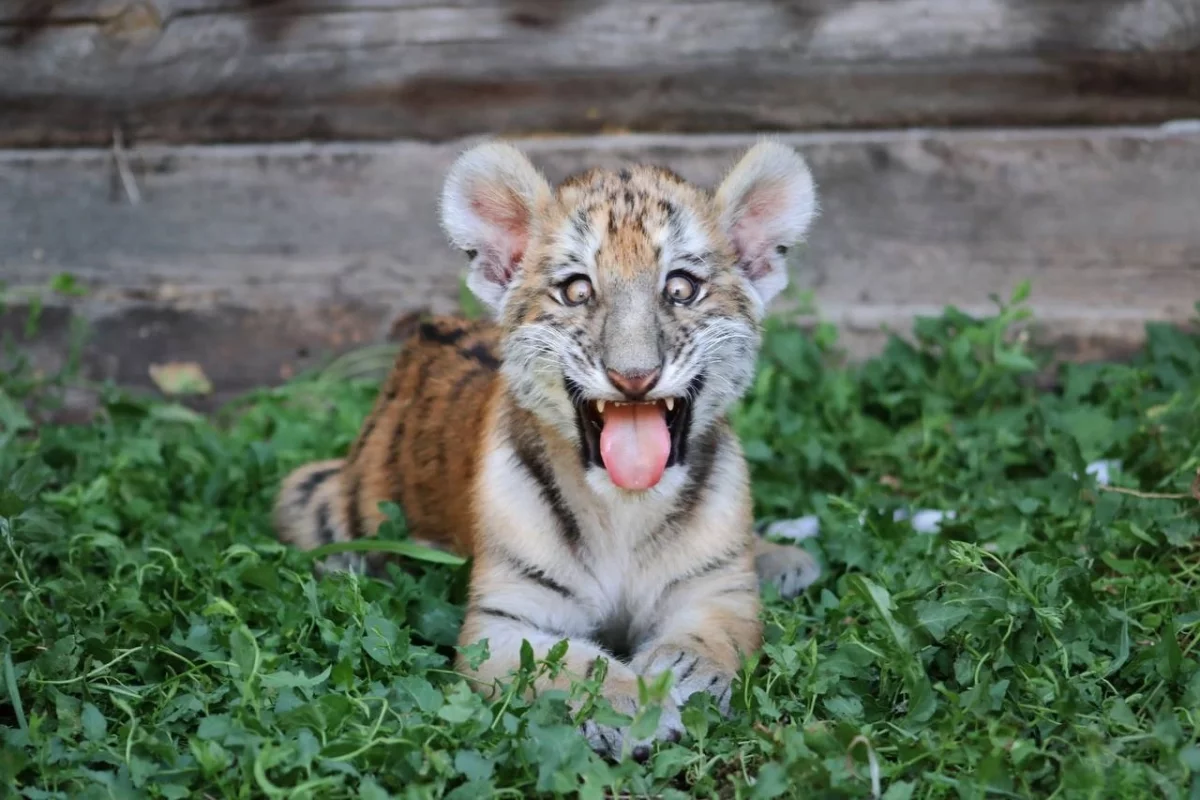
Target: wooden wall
(249, 70)
(274, 200)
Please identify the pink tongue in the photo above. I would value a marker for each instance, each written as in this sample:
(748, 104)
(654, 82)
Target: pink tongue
(635, 444)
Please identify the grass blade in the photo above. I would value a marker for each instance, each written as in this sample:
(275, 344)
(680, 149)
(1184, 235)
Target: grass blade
(406, 549)
(10, 680)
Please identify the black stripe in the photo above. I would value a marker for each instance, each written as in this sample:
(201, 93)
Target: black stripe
(354, 522)
(393, 458)
(704, 459)
(393, 454)
(365, 434)
(324, 530)
(386, 394)
(688, 672)
(530, 455)
(309, 485)
(715, 564)
(430, 332)
(537, 575)
(499, 613)
(433, 429)
(483, 355)
(742, 588)
(591, 670)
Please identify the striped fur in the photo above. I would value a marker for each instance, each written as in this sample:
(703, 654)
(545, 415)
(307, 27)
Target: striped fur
(477, 432)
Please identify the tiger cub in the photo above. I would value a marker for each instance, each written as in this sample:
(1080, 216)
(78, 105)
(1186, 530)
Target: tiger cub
(578, 447)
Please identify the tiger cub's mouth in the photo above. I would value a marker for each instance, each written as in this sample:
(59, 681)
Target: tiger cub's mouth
(634, 441)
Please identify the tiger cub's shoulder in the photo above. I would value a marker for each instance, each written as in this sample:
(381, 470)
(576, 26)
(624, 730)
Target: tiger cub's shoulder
(419, 446)
(442, 360)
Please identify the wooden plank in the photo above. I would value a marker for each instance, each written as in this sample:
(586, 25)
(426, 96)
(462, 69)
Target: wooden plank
(258, 261)
(236, 70)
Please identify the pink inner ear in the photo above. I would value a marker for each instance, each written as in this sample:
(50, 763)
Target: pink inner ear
(765, 202)
(751, 234)
(508, 218)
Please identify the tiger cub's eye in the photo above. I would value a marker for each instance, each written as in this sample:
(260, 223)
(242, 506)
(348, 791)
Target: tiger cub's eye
(577, 292)
(680, 288)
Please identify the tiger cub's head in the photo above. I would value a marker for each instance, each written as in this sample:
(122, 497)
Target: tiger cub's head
(631, 301)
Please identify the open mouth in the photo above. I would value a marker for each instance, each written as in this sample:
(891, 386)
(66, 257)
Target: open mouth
(634, 441)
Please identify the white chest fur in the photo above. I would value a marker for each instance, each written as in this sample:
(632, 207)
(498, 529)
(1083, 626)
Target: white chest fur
(622, 552)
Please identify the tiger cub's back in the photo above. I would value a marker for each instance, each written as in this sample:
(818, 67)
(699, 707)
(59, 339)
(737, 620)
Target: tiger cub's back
(418, 447)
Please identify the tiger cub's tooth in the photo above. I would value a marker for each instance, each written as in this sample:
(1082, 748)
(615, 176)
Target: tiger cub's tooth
(600, 406)
(670, 403)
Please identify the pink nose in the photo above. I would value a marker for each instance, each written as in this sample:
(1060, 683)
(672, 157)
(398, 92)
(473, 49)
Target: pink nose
(634, 384)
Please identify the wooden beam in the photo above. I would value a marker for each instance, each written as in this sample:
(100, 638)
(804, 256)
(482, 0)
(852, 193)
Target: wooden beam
(71, 71)
(257, 261)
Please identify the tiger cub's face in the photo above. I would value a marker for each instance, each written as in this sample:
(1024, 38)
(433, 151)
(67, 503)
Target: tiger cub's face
(631, 300)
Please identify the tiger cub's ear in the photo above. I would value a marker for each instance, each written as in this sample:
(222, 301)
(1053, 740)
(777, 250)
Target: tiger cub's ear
(766, 205)
(490, 199)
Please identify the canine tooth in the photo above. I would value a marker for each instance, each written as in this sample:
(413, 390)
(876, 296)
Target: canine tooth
(600, 406)
(670, 403)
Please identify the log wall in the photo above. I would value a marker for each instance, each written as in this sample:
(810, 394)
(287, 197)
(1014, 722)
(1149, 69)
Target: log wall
(286, 155)
(71, 71)
(256, 261)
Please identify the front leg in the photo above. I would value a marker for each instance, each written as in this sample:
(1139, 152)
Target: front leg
(507, 612)
(706, 625)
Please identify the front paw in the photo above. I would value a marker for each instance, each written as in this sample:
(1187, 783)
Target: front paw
(614, 741)
(791, 569)
(693, 673)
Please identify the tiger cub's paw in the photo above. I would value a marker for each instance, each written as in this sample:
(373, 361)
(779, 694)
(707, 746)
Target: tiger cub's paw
(789, 568)
(692, 672)
(611, 741)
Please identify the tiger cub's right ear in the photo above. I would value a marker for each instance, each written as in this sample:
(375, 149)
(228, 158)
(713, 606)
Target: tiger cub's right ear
(490, 199)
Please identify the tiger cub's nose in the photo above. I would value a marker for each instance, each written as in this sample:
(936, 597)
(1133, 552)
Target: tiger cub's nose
(634, 384)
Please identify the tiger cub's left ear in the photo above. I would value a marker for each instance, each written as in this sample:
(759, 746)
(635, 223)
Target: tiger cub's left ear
(766, 205)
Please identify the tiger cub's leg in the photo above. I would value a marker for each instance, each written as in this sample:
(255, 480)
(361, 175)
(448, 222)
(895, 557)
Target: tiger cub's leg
(790, 568)
(704, 625)
(513, 602)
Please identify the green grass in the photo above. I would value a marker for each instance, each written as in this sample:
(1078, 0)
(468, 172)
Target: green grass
(158, 643)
